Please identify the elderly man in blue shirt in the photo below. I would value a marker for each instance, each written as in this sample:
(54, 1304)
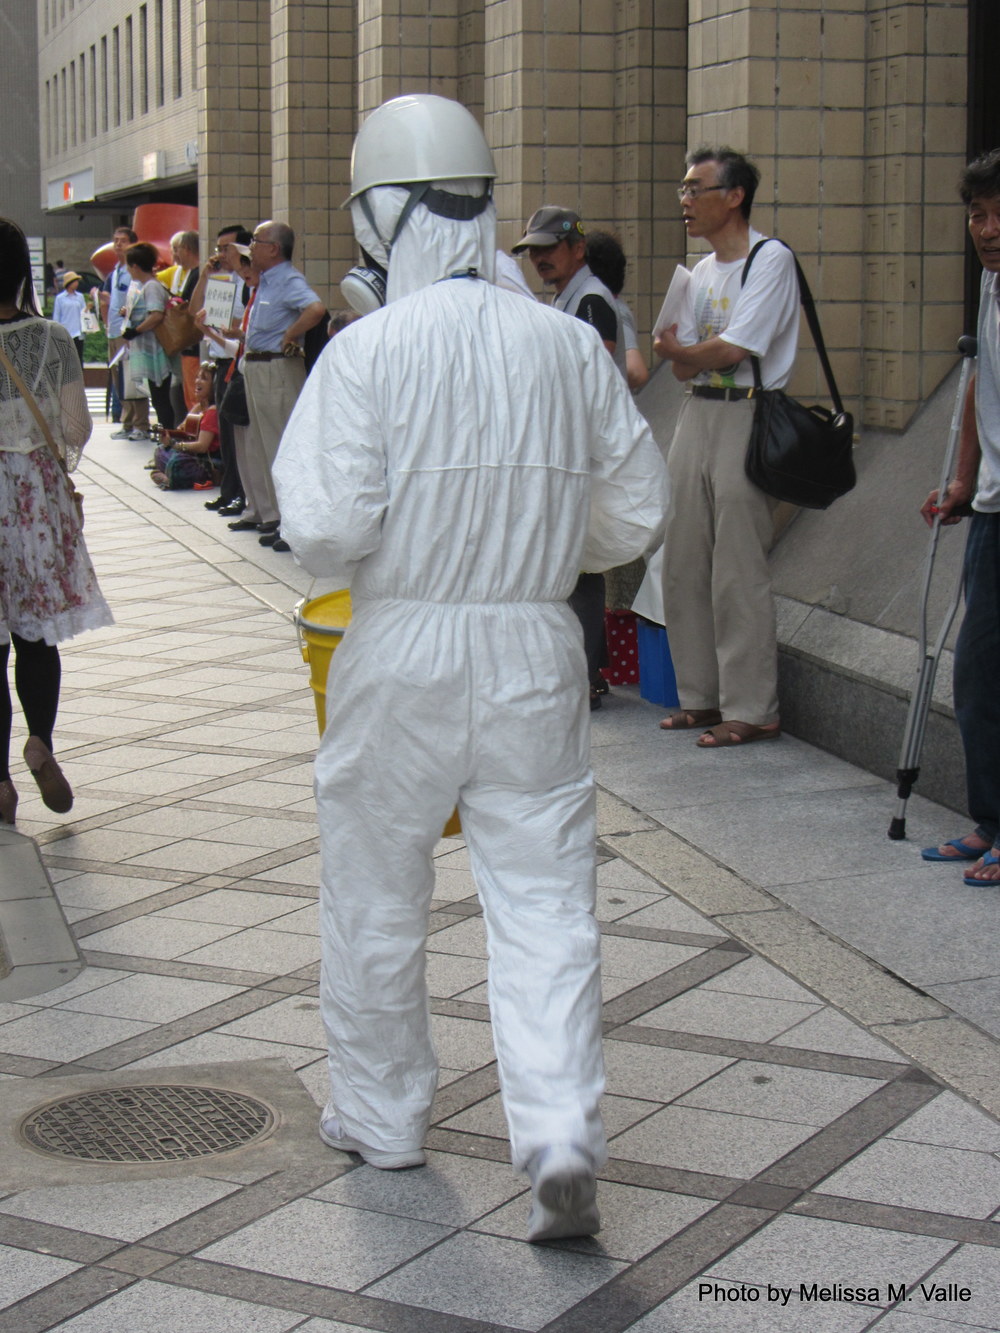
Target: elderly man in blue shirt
(284, 309)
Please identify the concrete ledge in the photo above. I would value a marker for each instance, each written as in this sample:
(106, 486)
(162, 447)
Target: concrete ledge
(37, 949)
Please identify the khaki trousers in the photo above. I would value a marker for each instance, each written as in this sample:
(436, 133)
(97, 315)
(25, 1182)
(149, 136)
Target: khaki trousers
(716, 582)
(272, 390)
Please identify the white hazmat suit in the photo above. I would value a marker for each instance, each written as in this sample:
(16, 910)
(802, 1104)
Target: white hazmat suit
(457, 458)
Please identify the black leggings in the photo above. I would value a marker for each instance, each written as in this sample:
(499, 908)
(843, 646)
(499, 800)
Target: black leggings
(37, 673)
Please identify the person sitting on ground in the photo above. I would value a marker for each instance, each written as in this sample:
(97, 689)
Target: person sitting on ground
(189, 456)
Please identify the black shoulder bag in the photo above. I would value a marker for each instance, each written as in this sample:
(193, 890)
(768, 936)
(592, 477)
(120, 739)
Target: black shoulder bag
(796, 453)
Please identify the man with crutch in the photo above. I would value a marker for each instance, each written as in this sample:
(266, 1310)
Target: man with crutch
(977, 479)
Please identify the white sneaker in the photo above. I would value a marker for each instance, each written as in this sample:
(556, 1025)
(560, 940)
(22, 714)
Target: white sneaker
(120, 434)
(564, 1194)
(137, 435)
(334, 1137)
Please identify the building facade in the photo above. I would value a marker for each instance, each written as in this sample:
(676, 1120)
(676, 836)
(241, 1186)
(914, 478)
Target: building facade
(856, 111)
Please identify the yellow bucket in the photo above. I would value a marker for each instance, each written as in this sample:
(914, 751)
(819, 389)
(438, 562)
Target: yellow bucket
(320, 624)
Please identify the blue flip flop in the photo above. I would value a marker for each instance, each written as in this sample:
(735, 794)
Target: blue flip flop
(965, 852)
(990, 858)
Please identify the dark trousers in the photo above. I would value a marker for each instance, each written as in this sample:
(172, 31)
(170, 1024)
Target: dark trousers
(37, 675)
(160, 397)
(977, 673)
(231, 487)
(587, 601)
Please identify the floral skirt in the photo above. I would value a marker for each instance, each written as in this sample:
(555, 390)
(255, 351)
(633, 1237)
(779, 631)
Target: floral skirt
(48, 588)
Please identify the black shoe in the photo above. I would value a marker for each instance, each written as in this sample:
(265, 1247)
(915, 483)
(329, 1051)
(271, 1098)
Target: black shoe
(270, 538)
(243, 525)
(280, 545)
(233, 509)
(214, 504)
(268, 527)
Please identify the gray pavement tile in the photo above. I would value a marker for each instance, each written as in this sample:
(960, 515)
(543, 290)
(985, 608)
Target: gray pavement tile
(641, 960)
(793, 1250)
(712, 1141)
(89, 980)
(974, 1267)
(258, 950)
(921, 1175)
(197, 855)
(126, 1210)
(303, 921)
(157, 937)
(325, 1243)
(831, 1031)
(497, 1280)
(613, 903)
(757, 977)
(977, 1000)
(462, 1043)
(256, 795)
(100, 892)
(671, 914)
(487, 1117)
(467, 938)
(211, 1048)
(150, 998)
(295, 1020)
(656, 1073)
(23, 1272)
(695, 1310)
(107, 844)
(950, 1122)
(57, 1034)
(451, 1190)
(908, 1321)
(272, 833)
(450, 974)
(149, 782)
(633, 1220)
(203, 764)
(777, 1092)
(231, 907)
(452, 884)
(618, 874)
(714, 1013)
(155, 1305)
(178, 821)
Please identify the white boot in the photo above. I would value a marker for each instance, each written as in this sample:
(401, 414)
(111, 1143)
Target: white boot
(564, 1194)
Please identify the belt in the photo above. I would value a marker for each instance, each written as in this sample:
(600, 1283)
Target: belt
(264, 356)
(726, 395)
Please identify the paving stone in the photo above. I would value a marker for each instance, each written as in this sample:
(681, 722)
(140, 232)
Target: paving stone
(57, 1034)
(921, 1175)
(496, 1280)
(712, 1141)
(158, 1305)
(487, 1117)
(256, 950)
(745, 1017)
(694, 1310)
(295, 1020)
(150, 998)
(655, 1072)
(776, 1092)
(451, 1191)
(230, 907)
(830, 1031)
(156, 937)
(128, 1210)
(951, 1122)
(325, 1243)
(23, 1272)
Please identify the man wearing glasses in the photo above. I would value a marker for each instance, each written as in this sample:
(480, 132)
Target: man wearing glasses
(716, 583)
(284, 309)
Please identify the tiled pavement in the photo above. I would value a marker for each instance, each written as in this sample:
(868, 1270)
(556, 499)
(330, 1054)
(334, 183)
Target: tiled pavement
(781, 1109)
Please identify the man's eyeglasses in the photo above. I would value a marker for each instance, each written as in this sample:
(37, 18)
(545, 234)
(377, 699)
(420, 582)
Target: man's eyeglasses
(693, 191)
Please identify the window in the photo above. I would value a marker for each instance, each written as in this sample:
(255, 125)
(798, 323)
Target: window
(178, 47)
(158, 51)
(72, 104)
(93, 91)
(116, 76)
(129, 72)
(143, 60)
(104, 84)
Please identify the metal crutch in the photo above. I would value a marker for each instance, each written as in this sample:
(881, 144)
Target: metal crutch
(920, 700)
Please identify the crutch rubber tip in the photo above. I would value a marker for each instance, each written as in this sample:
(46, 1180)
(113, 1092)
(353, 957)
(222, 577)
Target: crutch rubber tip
(897, 829)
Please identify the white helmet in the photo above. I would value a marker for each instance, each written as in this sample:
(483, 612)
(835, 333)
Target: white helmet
(419, 137)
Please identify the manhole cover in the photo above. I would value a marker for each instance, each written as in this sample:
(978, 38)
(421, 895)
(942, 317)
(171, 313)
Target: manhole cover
(154, 1124)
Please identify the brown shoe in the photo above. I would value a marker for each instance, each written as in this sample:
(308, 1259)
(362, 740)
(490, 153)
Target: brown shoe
(56, 791)
(689, 718)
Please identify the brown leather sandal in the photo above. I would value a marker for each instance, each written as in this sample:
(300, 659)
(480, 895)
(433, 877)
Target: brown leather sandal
(689, 718)
(737, 733)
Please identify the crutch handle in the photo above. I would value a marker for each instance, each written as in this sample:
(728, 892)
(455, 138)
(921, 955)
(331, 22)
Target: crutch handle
(968, 345)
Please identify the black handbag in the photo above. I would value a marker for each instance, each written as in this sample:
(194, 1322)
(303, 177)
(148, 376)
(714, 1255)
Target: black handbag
(797, 453)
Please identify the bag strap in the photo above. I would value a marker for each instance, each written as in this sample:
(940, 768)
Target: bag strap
(812, 319)
(35, 410)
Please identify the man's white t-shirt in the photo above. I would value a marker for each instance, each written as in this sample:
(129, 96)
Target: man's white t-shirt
(987, 499)
(763, 316)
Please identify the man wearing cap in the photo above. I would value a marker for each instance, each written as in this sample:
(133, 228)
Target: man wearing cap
(716, 582)
(285, 308)
(556, 244)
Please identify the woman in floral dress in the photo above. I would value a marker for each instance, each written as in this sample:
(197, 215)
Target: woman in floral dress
(48, 589)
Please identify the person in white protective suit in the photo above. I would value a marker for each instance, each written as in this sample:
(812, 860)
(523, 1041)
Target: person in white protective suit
(456, 458)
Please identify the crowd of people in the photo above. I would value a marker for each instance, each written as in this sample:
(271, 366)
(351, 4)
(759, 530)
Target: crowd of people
(469, 463)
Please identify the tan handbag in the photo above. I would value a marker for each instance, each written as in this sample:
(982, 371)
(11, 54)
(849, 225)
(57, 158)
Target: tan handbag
(177, 330)
(44, 427)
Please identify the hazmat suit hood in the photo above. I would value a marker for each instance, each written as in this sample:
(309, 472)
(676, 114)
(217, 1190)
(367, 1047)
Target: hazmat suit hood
(429, 247)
